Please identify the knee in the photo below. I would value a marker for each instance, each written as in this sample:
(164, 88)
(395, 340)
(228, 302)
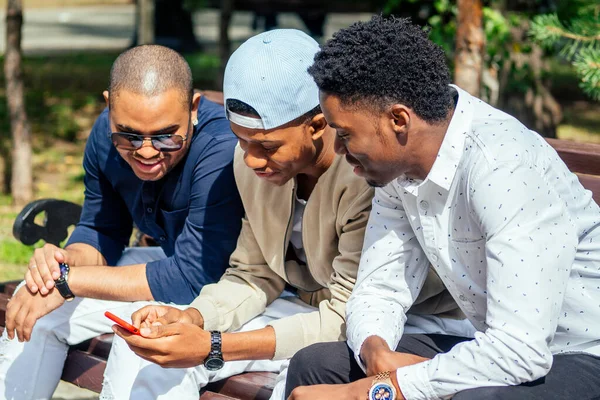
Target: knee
(310, 366)
(310, 361)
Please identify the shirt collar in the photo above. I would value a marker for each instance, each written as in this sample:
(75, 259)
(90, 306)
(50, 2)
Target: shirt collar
(446, 165)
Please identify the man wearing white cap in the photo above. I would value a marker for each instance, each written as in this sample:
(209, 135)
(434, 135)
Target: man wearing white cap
(297, 256)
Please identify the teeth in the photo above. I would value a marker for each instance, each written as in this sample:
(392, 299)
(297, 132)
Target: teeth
(148, 163)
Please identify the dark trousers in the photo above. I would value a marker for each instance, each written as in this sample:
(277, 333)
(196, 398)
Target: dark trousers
(573, 376)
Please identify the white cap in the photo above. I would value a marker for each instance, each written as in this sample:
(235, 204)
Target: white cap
(269, 73)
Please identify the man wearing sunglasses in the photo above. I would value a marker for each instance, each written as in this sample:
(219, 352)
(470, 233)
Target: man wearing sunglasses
(159, 157)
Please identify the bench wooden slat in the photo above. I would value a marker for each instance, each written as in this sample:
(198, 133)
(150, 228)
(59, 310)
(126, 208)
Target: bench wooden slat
(84, 370)
(592, 183)
(583, 158)
(98, 346)
(214, 396)
(3, 303)
(248, 386)
(9, 287)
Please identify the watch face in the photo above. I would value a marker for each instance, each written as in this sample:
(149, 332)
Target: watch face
(214, 364)
(382, 391)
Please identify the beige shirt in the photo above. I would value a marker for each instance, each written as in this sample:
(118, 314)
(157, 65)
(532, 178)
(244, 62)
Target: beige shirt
(333, 228)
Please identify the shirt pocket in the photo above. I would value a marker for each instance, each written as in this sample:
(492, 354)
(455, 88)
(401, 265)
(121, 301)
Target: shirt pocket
(470, 255)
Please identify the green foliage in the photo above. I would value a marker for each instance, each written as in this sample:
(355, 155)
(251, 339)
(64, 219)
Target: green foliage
(574, 29)
(13, 252)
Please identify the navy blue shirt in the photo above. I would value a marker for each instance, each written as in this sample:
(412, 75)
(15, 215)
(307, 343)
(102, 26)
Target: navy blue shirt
(194, 212)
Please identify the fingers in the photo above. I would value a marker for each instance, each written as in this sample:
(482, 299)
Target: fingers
(149, 345)
(43, 267)
(19, 322)
(12, 308)
(51, 270)
(30, 283)
(145, 314)
(161, 330)
(172, 315)
(28, 325)
(35, 281)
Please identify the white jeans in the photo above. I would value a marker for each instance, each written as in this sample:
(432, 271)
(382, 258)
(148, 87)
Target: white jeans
(127, 376)
(32, 370)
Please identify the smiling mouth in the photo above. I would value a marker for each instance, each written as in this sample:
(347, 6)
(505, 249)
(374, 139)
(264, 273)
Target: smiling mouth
(264, 174)
(148, 166)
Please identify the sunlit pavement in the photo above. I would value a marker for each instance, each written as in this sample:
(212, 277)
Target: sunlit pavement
(101, 28)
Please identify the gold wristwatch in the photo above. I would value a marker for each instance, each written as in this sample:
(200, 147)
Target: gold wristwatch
(382, 388)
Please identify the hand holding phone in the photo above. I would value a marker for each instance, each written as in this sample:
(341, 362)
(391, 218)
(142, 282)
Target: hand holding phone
(121, 323)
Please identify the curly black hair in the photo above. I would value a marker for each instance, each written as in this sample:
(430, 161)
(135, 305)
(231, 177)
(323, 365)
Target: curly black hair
(382, 62)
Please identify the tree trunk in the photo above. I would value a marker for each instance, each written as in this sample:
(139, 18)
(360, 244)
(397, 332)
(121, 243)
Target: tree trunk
(21, 181)
(224, 42)
(145, 28)
(469, 46)
(171, 25)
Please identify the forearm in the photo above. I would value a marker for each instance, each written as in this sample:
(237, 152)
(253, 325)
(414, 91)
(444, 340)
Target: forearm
(251, 345)
(127, 283)
(84, 254)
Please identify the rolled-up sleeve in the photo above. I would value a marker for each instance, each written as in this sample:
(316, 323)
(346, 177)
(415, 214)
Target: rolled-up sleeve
(210, 231)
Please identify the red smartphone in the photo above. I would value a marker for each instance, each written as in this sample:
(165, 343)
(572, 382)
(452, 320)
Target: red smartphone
(122, 323)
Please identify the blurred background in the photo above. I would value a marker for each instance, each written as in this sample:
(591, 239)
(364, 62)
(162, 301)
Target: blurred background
(536, 59)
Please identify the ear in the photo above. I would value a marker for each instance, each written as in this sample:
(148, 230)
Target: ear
(316, 126)
(105, 95)
(400, 119)
(195, 105)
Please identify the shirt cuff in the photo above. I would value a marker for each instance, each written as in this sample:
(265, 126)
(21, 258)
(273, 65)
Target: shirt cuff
(289, 337)
(209, 312)
(414, 383)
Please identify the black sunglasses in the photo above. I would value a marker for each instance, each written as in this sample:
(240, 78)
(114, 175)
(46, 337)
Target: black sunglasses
(132, 141)
(164, 142)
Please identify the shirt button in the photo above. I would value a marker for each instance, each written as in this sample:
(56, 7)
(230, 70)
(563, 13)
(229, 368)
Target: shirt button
(462, 297)
(424, 205)
(149, 209)
(162, 238)
(433, 257)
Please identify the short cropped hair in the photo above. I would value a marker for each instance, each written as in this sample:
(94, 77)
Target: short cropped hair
(239, 107)
(150, 70)
(382, 62)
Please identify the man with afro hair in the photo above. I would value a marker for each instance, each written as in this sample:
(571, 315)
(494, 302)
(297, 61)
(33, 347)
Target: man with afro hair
(507, 227)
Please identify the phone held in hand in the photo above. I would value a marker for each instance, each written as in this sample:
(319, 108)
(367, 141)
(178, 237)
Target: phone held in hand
(121, 323)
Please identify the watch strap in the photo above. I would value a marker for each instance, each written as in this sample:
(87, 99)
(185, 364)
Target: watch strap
(382, 382)
(61, 283)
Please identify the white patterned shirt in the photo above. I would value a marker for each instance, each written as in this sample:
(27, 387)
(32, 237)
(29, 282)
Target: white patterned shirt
(513, 235)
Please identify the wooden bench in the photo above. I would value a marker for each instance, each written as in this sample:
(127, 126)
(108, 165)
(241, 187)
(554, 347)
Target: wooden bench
(86, 362)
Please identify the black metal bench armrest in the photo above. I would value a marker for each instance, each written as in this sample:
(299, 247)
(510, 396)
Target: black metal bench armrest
(60, 215)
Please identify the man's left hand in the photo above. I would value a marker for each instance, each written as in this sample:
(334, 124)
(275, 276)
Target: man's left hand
(25, 308)
(176, 345)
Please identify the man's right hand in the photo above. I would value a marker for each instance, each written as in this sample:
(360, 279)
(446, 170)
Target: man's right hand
(43, 268)
(164, 315)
